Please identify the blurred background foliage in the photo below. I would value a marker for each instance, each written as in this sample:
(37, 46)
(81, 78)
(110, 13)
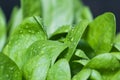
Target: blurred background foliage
(97, 7)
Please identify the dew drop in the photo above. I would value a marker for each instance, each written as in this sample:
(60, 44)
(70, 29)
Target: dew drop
(21, 31)
(29, 31)
(26, 27)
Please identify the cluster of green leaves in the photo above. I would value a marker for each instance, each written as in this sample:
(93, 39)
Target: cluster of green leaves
(58, 40)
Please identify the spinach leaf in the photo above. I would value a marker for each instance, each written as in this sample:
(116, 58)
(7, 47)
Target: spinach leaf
(116, 76)
(26, 33)
(95, 75)
(2, 30)
(74, 37)
(81, 54)
(59, 71)
(52, 48)
(81, 12)
(31, 8)
(8, 69)
(12, 17)
(117, 41)
(101, 33)
(37, 67)
(84, 74)
(56, 14)
(15, 22)
(104, 63)
(61, 32)
(116, 54)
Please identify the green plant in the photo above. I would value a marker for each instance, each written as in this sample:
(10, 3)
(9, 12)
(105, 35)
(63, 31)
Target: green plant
(58, 40)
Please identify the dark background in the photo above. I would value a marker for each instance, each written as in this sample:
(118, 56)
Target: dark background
(97, 7)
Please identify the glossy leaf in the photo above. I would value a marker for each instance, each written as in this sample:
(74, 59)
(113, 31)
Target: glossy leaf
(84, 74)
(116, 54)
(59, 71)
(26, 33)
(117, 41)
(8, 69)
(101, 32)
(16, 21)
(81, 12)
(81, 54)
(36, 68)
(61, 32)
(52, 48)
(116, 76)
(95, 75)
(56, 14)
(12, 17)
(31, 8)
(2, 30)
(74, 37)
(104, 63)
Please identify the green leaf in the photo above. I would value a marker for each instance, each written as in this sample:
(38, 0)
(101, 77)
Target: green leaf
(116, 76)
(81, 54)
(52, 48)
(16, 21)
(116, 54)
(117, 41)
(104, 63)
(82, 61)
(101, 32)
(8, 69)
(59, 71)
(95, 75)
(86, 14)
(84, 46)
(31, 8)
(56, 14)
(12, 17)
(84, 74)
(61, 32)
(36, 68)
(26, 33)
(81, 12)
(74, 37)
(2, 30)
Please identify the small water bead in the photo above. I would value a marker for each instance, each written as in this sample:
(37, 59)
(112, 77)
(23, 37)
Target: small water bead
(29, 31)
(21, 31)
(27, 27)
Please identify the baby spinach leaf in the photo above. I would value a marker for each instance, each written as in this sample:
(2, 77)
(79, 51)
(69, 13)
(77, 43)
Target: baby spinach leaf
(31, 8)
(17, 19)
(82, 61)
(117, 41)
(104, 63)
(95, 75)
(56, 13)
(84, 46)
(61, 32)
(2, 30)
(59, 71)
(52, 48)
(12, 16)
(37, 67)
(8, 69)
(84, 74)
(81, 54)
(81, 12)
(86, 14)
(74, 37)
(101, 33)
(116, 54)
(116, 76)
(26, 33)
